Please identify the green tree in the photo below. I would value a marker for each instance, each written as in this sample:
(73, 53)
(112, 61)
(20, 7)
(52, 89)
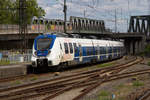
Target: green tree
(32, 9)
(9, 12)
(5, 11)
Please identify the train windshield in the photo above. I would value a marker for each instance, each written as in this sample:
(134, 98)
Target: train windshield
(44, 43)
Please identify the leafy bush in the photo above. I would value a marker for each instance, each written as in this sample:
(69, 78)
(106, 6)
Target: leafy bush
(147, 50)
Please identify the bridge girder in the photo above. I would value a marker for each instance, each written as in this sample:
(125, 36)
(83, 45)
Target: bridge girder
(140, 24)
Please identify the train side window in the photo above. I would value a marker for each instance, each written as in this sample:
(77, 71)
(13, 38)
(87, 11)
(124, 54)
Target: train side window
(88, 51)
(100, 50)
(114, 49)
(75, 47)
(66, 48)
(91, 51)
(118, 49)
(60, 46)
(121, 48)
(110, 50)
(80, 50)
(96, 52)
(71, 48)
(104, 50)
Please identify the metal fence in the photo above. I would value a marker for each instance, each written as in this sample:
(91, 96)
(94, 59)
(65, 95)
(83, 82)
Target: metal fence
(10, 57)
(19, 58)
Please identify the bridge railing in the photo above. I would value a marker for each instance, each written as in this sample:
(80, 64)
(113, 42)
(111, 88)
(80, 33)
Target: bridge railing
(34, 28)
(9, 29)
(75, 26)
(14, 29)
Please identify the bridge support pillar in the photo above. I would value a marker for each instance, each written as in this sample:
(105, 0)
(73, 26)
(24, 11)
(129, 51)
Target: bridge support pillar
(143, 43)
(140, 46)
(136, 47)
(127, 47)
(131, 52)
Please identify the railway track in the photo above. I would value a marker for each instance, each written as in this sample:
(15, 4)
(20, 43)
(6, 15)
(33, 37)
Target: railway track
(142, 94)
(27, 76)
(145, 96)
(55, 87)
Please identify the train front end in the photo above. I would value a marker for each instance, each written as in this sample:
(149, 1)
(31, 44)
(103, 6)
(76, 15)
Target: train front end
(42, 47)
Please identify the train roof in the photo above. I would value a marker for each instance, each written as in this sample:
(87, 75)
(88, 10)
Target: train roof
(63, 35)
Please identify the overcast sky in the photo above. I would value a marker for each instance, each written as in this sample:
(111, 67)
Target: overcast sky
(98, 9)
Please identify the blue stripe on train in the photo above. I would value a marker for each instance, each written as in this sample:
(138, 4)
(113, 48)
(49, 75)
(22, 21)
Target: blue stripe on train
(77, 59)
(86, 59)
(115, 55)
(102, 58)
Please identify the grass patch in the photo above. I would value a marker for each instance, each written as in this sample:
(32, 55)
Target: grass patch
(17, 82)
(4, 62)
(126, 58)
(105, 64)
(148, 63)
(105, 98)
(120, 86)
(137, 83)
(33, 79)
(122, 90)
(104, 95)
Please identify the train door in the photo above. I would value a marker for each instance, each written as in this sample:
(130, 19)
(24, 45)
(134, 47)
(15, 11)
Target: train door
(98, 52)
(80, 53)
(110, 51)
(61, 52)
(107, 50)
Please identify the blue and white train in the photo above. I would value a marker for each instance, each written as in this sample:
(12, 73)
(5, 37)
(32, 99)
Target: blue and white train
(50, 50)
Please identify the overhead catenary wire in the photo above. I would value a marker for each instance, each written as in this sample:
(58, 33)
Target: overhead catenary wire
(85, 7)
